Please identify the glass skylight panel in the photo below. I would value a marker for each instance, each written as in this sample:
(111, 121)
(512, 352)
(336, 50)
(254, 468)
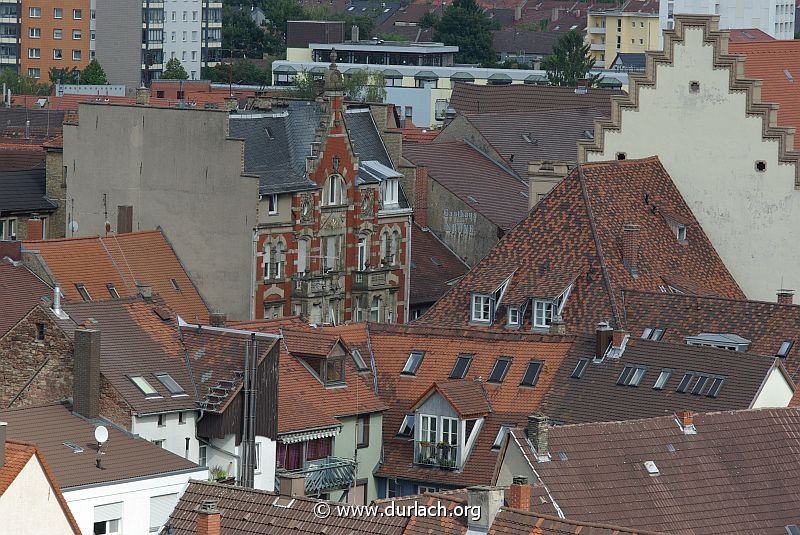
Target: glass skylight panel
(361, 365)
(501, 435)
(500, 370)
(647, 333)
(716, 386)
(657, 334)
(413, 362)
(684, 384)
(531, 373)
(170, 384)
(461, 367)
(698, 386)
(631, 375)
(663, 377)
(786, 346)
(145, 387)
(577, 373)
(407, 427)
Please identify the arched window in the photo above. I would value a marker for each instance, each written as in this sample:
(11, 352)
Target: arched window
(395, 250)
(301, 264)
(363, 253)
(267, 260)
(332, 195)
(375, 311)
(280, 260)
(386, 248)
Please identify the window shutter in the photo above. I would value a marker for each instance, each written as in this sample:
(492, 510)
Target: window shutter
(109, 511)
(160, 509)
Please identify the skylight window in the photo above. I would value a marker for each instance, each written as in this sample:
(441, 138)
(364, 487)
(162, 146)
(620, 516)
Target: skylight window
(631, 375)
(577, 373)
(652, 333)
(701, 384)
(170, 384)
(74, 447)
(663, 377)
(501, 366)
(361, 365)
(112, 290)
(413, 362)
(145, 387)
(501, 435)
(84, 293)
(461, 367)
(792, 529)
(174, 284)
(532, 373)
(407, 427)
(786, 346)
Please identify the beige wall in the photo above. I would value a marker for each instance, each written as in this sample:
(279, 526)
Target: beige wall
(178, 171)
(709, 145)
(514, 464)
(29, 505)
(776, 391)
(368, 458)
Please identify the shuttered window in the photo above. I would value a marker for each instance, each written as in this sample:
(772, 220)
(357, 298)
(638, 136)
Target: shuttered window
(160, 509)
(110, 511)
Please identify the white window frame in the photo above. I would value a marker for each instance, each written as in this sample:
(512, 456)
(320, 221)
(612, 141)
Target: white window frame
(58, 13)
(390, 191)
(513, 316)
(34, 33)
(481, 310)
(428, 433)
(58, 33)
(35, 12)
(77, 14)
(375, 309)
(543, 312)
(8, 228)
(34, 53)
(77, 55)
(451, 435)
(76, 35)
(333, 191)
(362, 253)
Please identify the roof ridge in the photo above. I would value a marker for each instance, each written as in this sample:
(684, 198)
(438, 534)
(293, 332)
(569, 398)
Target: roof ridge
(93, 237)
(708, 297)
(580, 523)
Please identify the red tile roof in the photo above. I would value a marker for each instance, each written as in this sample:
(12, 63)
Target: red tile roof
(491, 190)
(516, 522)
(20, 291)
(576, 232)
(748, 35)
(122, 260)
(433, 266)
(473, 98)
(468, 398)
(15, 157)
(777, 63)
(17, 456)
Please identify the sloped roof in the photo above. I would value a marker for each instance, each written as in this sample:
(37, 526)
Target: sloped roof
(478, 181)
(596, 396)
(766, 325)
(122, 260)
(20, 291)
(520, 98)
(126, 457)
(468, 398)
(629, 61)
(748, 35)
(249, 511)
(24, 192)
(21, 157)
(433, 265)
(514, 41)
(777, 64)
(578, 229)
(515, 522)
(308, 342)
(738, 473)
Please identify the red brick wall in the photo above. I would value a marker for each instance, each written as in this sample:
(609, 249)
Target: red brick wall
(112, 406)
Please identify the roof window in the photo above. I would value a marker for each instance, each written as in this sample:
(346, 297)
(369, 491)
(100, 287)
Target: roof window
(532, 373)
(786, 346)
(501, 435)
(481, 308)
(577, 373)
(701, 384)
(170, 384)
(500, 369)
(145, 387)
(112, 291)
(631, 375)
(83, 291)
(361, 365)
(407, 427)
(663, 377)
(461, 367)
(174, 284)
(413, 362)
(792, 529)
(74, 447)
(652, 333)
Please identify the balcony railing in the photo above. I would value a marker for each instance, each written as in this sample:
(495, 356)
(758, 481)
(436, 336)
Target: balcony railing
(371, 280)
(440, 455)
(308, 285)
(325, 475)
(598, 46)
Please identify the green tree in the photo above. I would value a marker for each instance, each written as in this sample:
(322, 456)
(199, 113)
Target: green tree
(241, 71)
(244, 36)
(464, 24)
(65, 76)
(306, 86)
(362, 86)
(23, 85)
(429, 19)
(94, 74)
(570, 61)
(174, 71)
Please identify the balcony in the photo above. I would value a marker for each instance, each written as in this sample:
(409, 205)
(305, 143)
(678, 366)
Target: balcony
(325, 475)
(371, 280)
(597, 46)
(439, 455)
(597, 30)
(307, 285)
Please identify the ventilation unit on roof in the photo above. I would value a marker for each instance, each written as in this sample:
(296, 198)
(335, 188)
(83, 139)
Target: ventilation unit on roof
(651, 468)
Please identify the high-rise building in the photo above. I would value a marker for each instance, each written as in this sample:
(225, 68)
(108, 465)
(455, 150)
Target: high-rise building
(629, 29)
(775, 17)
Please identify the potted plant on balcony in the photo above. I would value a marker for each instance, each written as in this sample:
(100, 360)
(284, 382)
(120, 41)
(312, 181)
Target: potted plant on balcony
(445, 455)
(426, 454)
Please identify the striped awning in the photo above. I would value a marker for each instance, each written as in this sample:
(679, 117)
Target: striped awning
(292, 438)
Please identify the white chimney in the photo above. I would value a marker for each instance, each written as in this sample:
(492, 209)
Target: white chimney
(57, 303)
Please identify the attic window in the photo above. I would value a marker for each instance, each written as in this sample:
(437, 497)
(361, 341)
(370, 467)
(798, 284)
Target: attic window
(652, 333)
(501, 435)
(786, 346)
(663, 377)
(577, 373)
(680, 233)
(359, 360)
(694, 86)
(268, 131)
(461, 367)
(792, 529)
(413, 362)
(513, 316)
(531, 373)
(500, 369)
(145, 387)
(700, 384)
(112, 290)
(481, 308)
(83, 291)
(631, 375)
(74, 447)
(761, 166)
(170, 384)
(174, 284)
(407, 427)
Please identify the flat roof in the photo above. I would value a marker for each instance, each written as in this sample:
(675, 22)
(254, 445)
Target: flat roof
(388, 46)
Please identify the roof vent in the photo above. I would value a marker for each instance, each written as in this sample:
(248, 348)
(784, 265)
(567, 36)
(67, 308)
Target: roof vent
(74, 447)
(651, 468)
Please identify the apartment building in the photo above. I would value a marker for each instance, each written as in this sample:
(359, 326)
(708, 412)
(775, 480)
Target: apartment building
(775, 17)
(189, 30)
(630, 29)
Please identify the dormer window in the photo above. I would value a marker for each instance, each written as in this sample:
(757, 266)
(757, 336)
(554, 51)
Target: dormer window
(481, 308)
(501, 435)
(407, 426)
(273, 204)
(680, 233)
(513, 316)
(413, 362)
(461, 367)
(543, 313)
(334, 371)
(390, 189)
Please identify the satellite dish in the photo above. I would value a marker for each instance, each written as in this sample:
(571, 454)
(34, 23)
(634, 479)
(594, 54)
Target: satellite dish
(73, 226)
(101, 434)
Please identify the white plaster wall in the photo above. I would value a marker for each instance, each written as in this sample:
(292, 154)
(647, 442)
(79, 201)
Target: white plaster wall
(179, 46)
(173, 434)
(29, 504)
(761, 14)
(135, 496)
(776, 392)
(264, 477)
(709, 147)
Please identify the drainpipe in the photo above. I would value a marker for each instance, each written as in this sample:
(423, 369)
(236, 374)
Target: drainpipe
(408, 271)
(253, 285)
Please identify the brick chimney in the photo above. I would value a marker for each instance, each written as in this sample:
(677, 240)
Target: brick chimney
(145, 291)
(557, 326)
(86, 373)
(686, 418)
(421, 196)
(538, 429)
(617, 337)
(630, 248)
(124, 219)
(217, 319)
(518, 495)
(489, 500)
(785, 297)
(35, 228)
(603, 338)
(209, 518)
(11, 249)
(3, 426)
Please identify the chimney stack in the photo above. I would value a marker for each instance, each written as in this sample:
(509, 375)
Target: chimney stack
(630, 248)
(489, 500)
(603, 338)
(11, 249)
(785, 297)
(557, 326)
(519, 494)
(354, 33)
(3, 426)
(142, 96)
(35, 228)
(145, 291)
(209, 518)
(291, 485)
(686, 418)
(538, 429)
(230, 103)
(124, 219)
(217, 319)
(86, 373)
